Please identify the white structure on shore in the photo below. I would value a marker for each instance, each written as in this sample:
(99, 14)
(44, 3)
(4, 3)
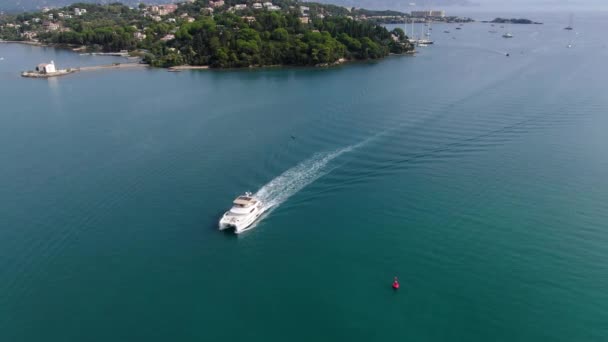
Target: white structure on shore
(46, 68)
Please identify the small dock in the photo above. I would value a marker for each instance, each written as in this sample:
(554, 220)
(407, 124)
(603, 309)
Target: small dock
(115, 54)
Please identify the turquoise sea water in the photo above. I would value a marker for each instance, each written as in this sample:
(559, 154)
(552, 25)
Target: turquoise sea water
(479, 179)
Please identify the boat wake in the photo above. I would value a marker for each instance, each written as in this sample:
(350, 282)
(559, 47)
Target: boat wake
(290, 182)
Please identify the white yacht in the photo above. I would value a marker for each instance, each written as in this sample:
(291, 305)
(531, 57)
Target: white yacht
(246, 209)
(507, 35)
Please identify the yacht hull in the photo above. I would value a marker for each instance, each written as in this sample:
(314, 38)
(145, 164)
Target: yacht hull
(240, 224)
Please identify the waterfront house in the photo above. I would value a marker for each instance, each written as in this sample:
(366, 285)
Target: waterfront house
(29, 35)
(45, 68)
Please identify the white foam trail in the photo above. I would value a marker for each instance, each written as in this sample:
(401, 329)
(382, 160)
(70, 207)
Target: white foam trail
(290, 182)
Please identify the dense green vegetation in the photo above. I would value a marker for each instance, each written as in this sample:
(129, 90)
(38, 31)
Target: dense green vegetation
(106, 28)
(275, 39)
(513, 21)
(226, 39)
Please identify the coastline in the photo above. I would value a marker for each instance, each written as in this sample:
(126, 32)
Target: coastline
(25, 42)
(189, 67)
(176, 68)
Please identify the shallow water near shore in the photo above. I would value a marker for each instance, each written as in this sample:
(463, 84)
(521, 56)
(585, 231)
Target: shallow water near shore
(478, 179)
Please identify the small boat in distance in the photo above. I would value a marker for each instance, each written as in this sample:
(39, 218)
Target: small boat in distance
(459, 28)
(246, 209)
(446, 31)
(569, 27)
(395, 283)
(507, 35)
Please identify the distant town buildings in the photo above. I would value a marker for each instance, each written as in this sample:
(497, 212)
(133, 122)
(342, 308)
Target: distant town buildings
(270, 6)
(167, 38)
(304, 20)
(428, 14)
(50, 26)
(216, 4)
(162, 9)
(139, 36)
(239, 7)
(257, 5)
(79, 11)
(167, 9)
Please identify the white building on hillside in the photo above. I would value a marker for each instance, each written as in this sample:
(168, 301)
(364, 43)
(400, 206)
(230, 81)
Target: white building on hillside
(79, 11)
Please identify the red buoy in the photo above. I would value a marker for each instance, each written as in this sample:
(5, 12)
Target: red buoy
(395, 284)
